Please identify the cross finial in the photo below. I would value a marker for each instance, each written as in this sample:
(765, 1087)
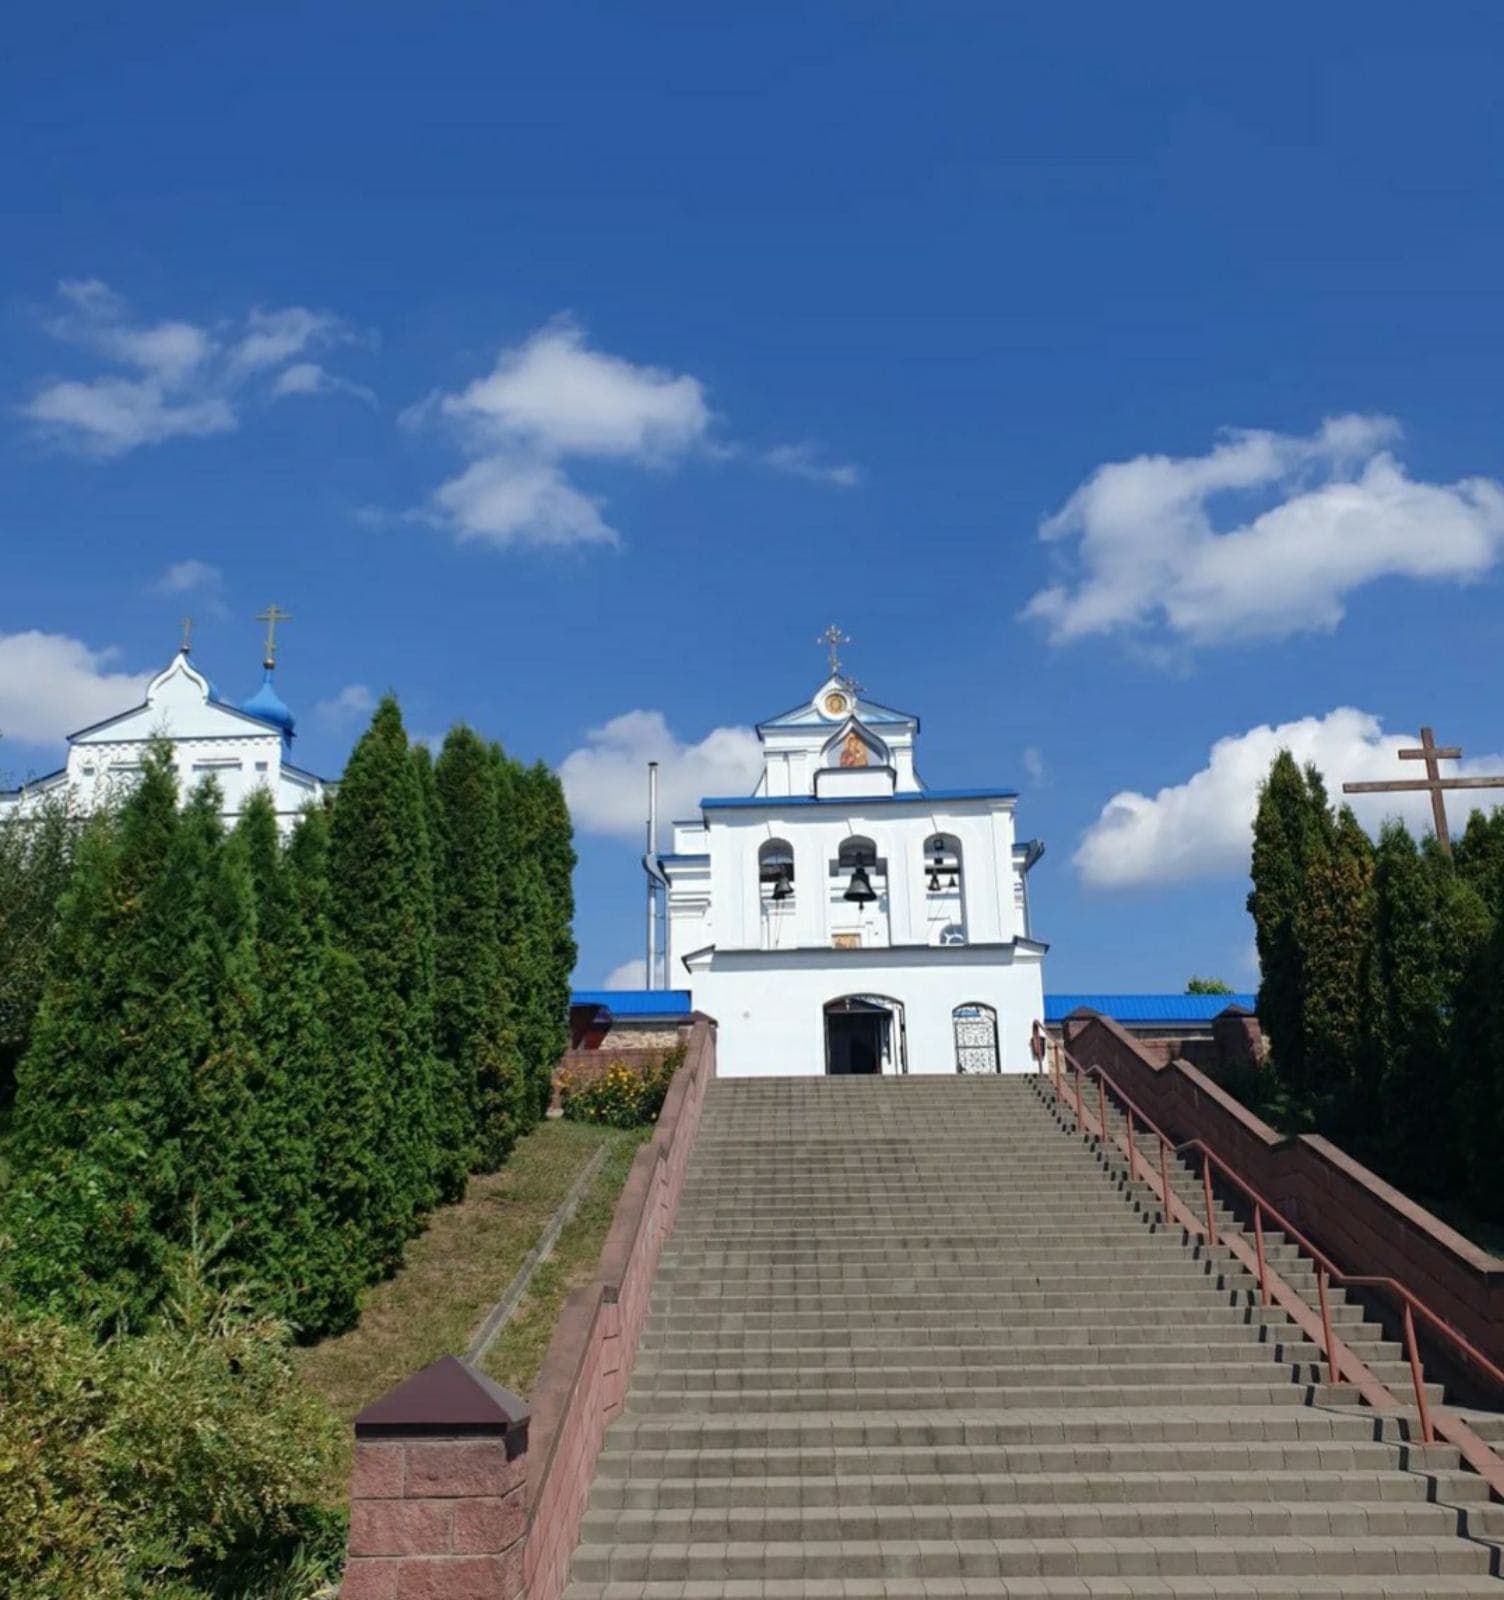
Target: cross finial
(833, 639)
(271, 617)
(187, 643)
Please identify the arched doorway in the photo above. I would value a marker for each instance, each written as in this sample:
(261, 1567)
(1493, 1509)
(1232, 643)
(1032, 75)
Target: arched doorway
(864, 1036)
(976, 1038)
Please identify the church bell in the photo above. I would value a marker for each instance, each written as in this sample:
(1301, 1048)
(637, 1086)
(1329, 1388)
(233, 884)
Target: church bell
(860, 888)
(782, 888)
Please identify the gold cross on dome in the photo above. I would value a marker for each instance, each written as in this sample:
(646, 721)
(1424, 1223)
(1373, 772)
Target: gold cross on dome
(271, 617)
(833, 639)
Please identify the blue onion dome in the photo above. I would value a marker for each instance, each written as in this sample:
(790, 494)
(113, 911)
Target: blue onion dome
(266, 703)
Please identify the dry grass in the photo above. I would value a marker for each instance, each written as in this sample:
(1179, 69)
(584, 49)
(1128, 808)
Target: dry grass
(456, 1271)
(518, 1353)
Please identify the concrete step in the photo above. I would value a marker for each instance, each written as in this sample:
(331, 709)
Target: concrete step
(1185, 1514)
(1286, 1555)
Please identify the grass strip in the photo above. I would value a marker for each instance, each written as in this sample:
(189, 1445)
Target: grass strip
(517, 1354)
(454, 1272)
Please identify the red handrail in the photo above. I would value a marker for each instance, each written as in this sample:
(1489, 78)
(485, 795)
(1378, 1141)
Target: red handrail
(1326, 1268)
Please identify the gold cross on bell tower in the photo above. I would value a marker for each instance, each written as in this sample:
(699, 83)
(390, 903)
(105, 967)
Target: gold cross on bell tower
(271, 617)
(833, 639)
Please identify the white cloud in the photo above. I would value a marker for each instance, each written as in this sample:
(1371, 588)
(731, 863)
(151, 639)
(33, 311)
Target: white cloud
(1202, 828)
(1034, 766)
(629, 975)
(308, 377)
(556, 394)
(1344, 512)
(606, 779)
(52, 685)
(183, 577)
(354, 702)
(549, 400)
(552, 401)
(183, 380)
(506, 500)
(193, 577)
(803, 461)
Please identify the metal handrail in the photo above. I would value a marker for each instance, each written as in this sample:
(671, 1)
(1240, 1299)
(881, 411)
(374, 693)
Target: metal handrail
(1327, 1271)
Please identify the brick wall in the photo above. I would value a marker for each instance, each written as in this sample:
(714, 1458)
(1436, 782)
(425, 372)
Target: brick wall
(438, 1495)
(584, 1376)
(1366, 1225)
(585, 1066)
(460, 1490)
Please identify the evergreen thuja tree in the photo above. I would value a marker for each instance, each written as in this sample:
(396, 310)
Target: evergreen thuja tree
(1291, 831)
(105, 1092)
(453, 1136)
(1478, 1089)
(556, 840)
(474, 1033)
(1430, 924)
(1479, 855)
(527, 929)
(231, 1179)
(277, 1225)
(324, 1017)
(36, 861)
(382, 915)
(1334, 924)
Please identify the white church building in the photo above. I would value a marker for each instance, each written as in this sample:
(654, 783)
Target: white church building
(845, 918)
(243, 746)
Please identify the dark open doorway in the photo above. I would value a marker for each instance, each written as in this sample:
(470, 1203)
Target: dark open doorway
(858, 1037)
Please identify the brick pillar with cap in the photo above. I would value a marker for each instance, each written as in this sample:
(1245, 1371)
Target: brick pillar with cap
(438, 1500)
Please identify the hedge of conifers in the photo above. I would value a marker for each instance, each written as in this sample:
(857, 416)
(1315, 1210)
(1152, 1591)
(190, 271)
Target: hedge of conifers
(288, 1052)
(1382, 991)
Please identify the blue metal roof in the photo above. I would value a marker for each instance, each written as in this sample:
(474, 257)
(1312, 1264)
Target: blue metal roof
(1128, 1008)
(635, 1002)
(920, 797)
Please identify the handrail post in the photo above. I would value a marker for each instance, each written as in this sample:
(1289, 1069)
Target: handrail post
(1164, 1175)
(1206, 1184)
(1102, 1109)
(1080, 1112)
(1258, 1239)
(1417, 1377)
(1329, 1348)
(1132, 1153)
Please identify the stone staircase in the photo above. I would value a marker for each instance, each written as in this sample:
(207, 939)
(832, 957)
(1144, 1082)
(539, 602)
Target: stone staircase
(915, 1338)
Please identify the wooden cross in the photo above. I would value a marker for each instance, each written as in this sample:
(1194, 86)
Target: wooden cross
(1432, 754)
(271, 617)
(833, 639)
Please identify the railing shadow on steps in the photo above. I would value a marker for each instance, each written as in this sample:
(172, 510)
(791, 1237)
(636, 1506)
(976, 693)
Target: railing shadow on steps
(461, 1489)
(1069, 1084)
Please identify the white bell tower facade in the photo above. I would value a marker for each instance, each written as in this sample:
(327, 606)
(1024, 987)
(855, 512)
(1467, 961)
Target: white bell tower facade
(845, 918)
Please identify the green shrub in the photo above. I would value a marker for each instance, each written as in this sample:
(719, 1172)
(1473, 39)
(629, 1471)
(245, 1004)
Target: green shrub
(179, 1461)
(623, 1096)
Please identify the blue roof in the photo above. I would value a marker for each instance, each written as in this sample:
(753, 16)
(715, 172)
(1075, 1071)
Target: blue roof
(919, 797)
(635, 1002)
(1146, 1007)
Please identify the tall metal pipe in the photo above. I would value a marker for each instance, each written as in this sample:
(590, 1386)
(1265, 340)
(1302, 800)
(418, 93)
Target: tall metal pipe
(652, 961)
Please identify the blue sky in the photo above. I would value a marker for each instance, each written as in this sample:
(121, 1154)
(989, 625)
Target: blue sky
(1122, 381)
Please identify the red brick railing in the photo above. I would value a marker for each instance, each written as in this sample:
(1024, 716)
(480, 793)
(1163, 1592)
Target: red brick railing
(501, 1520)
(1352, 1213)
